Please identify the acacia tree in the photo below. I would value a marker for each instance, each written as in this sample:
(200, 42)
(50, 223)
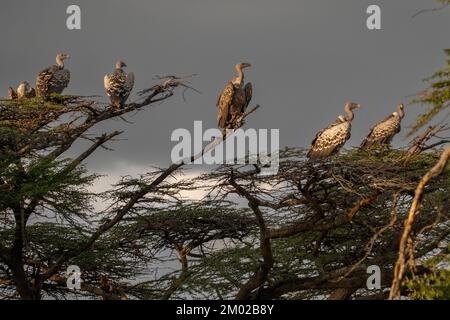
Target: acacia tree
(436, 98)
(309, 231)
(48, 218)
(316, 228)
(49, 221)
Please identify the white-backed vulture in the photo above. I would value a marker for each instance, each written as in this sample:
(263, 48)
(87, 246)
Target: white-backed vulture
(234, 99)
(53, 79)
(384, 131)
(118, 85)
(12, 94)
(329, 140)
(24, 90)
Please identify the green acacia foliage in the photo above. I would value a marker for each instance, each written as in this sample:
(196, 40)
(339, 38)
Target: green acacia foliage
(313, 243)
(48, 209)
(434, 284)
(436, 98)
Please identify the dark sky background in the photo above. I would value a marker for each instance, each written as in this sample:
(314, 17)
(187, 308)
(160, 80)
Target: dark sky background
(309, 57)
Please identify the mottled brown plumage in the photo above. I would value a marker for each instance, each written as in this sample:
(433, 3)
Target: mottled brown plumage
(329, 140)
(53, 79)
(234, 98)
(25, 91)
(12, 93)
(383, 132)
(118, 85)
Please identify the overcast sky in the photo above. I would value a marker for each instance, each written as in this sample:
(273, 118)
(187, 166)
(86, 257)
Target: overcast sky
(309, 57)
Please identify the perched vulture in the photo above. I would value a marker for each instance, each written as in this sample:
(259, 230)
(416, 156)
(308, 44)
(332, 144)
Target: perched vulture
(329, 140)
(234, 99)
(53, 79)
(24, 90)
(118, 85)
(384, 131)
(11, 93)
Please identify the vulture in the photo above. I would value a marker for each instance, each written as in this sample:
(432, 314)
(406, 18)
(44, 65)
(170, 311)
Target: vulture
(12, 93)
(24, 90)
(118, 85)
(53, 79)
(329, 140)
(384, 131)
(234, 99)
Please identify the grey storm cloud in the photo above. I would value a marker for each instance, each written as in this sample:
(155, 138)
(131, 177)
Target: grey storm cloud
(309, 58)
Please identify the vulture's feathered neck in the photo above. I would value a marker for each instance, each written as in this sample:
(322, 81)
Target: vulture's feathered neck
(239, 80)
(60, 62)
(119, 70)
(349, 112)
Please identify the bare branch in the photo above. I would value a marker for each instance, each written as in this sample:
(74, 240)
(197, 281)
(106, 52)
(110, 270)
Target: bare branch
(400, 264)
